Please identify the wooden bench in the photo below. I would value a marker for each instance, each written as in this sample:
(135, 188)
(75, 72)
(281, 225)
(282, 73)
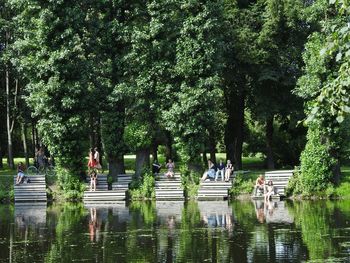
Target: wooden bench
(211, 190)
(34, 191)
(102, 194)
(169, 188)
(280, 179)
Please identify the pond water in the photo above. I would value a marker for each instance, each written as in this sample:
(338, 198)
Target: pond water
(211, 231)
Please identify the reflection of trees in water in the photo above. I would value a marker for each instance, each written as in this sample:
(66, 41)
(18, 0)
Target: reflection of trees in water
(263, 232)
(314, 220)
(141, 235)
(194, 232)
(68, 244)
(203, 233)
(28, 234)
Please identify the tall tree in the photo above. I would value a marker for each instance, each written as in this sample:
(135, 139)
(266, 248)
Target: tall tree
(325, 88)
(56, 57)
(198, 71)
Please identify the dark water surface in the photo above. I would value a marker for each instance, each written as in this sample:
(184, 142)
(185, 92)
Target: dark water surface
(177, 232)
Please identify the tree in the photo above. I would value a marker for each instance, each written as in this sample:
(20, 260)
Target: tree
(56, 58)
(198, 71)
(324, 87)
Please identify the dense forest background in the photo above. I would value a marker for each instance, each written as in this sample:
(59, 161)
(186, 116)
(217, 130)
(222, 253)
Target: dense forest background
(182, 77)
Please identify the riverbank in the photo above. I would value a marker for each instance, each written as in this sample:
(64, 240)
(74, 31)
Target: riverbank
(241, 189)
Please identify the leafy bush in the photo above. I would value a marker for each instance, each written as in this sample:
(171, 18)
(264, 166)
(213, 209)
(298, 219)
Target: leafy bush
(316, 163)
(6, 188)
(144, 188)
(190, 182)
(343, 191)
(241, 186)
(73, 188)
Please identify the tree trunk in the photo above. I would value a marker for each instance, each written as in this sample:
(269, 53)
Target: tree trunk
(155, 151)
(205, 158)
(98, 139)
(142, 161)
(1, 156)
(116, 166)
(10, 160)
(234, 128)
(212, 149)
(168, 146)
(91, 132)
(269, 144)
(24, 140)
(33, 140)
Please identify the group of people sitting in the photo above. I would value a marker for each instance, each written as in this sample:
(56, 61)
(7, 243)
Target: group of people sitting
(267, 189)
(215, 170)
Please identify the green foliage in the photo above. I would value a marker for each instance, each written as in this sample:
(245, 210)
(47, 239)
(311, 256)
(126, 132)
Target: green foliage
(112, 133)
(143, 188)
(137, 135)
(342, 191)
(73, 188)
(190, 182)
(198, 66)
(316, 163)
(241, 185)
(6, 188)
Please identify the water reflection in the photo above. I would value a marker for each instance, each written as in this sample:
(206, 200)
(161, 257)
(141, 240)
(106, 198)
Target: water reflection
(177, 232)
(272, 212)
(216, 214)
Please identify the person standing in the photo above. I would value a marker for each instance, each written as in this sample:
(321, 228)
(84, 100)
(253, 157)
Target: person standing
(220, 170)
(91, 163)
(97, 159)
(41, 158)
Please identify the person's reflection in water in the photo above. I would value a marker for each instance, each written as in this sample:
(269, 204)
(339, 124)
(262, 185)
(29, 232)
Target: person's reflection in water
(269, 209)
(171, 224)
(259, 210)
(228, 223)
(92, 224)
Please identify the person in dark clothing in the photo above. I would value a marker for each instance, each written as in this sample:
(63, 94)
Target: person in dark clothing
(220, 170)
(156, 167)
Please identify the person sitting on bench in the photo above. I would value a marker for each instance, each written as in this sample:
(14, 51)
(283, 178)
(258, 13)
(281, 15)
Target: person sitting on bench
(171, 167)
(20, 173)
(156, 167)
(270, 190)
(220, 170)
(210, 173)
(259, 185)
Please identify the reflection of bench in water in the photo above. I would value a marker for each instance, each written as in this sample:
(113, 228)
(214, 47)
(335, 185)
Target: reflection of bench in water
(216, 214)
(34, 191)
(274, 212)
(118, 209)
(169, 208)
(30, 214)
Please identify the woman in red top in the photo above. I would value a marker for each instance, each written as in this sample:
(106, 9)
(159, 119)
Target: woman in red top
(92, 161)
